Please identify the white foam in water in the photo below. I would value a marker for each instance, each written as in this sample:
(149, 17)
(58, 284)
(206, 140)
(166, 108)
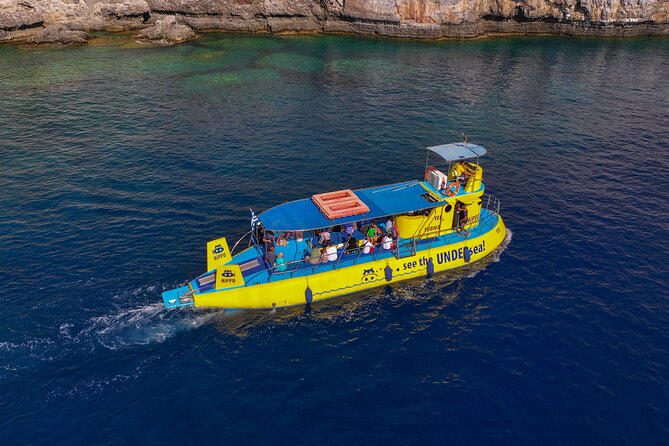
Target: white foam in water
(146, 324)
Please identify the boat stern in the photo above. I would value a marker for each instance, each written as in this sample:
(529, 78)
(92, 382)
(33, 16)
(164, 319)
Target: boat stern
(178, 297)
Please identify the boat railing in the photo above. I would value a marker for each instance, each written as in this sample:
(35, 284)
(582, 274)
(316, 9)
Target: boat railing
(492, 204)
(232, 251)
(294, 266)
(486, 220)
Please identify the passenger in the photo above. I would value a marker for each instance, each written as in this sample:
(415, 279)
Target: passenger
(462, 216)
(268, 239)
(394, 232)
(462, 172)
(280, 263)
(368, 247)
(373, 231)
(324, 237)
(387, 242)
(350, 228)
(389, 226)
(324, 256)
(314, 255)
(281, 240)
(270, 257)
(352, 244)
(299, 236)
(259, 234)
(331, 251)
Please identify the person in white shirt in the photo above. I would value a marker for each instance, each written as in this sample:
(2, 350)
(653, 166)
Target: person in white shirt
(331, 251)
(368, 247)
(387, 242)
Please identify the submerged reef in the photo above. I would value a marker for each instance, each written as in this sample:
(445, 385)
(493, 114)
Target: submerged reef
(173, 21)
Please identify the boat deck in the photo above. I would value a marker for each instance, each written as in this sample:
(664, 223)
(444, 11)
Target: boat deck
(295, 251)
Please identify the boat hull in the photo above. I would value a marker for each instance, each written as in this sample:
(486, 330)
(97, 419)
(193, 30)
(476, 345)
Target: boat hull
(332, 283)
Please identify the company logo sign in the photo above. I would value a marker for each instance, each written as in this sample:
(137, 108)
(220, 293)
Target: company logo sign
(218, 252)
(227, 276)
(369, 275)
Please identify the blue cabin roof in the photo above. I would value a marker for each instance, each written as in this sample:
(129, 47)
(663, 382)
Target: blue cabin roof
(383, 201)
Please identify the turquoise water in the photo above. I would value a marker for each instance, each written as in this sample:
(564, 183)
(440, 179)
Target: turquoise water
(118, 162)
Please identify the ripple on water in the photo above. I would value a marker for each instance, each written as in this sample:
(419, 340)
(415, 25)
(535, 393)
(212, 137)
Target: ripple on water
(117, 163)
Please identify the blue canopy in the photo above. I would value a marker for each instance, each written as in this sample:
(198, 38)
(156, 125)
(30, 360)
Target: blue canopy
(458, 151)
(383, 201)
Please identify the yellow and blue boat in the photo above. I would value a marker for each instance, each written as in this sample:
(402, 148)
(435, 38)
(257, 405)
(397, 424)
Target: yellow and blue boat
(344, 242)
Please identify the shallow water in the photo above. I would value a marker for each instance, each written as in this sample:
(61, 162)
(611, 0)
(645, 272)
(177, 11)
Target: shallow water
(118, 162)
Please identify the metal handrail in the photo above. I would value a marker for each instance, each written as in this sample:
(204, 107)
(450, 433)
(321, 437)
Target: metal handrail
(239, 241)
(492, 205)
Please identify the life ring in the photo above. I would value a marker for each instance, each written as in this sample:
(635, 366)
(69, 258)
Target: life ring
(450, 192)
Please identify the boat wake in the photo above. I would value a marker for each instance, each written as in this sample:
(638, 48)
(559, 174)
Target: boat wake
(132, 323)
(146, 324)
(136, 323)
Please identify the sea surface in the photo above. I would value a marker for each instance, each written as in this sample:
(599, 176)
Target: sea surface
(118, 162)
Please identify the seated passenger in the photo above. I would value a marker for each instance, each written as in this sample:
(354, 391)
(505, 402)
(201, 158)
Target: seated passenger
(324, 256)
(350, 228)
(314, 255)
(324, 237)
(280, 263)
(331, 251)
(281, 240)
(368, 246)
(351, 245)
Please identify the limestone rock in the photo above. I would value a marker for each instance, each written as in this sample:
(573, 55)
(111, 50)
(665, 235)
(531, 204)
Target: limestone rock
(122, 8)
(61, 35)
(433, 19)
(167, 31)
(15, 16)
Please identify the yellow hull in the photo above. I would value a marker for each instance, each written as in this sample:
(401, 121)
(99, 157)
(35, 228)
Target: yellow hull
(351, 279)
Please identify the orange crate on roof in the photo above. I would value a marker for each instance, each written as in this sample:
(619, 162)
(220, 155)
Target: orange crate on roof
(338, 204)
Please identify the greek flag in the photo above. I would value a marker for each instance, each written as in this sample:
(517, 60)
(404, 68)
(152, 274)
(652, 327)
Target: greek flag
(254, 220)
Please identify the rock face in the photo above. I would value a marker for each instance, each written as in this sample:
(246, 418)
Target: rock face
(167, 31)
(25, 19)
(58, 34)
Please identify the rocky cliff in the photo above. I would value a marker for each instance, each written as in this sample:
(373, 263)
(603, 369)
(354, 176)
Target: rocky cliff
(168, 21)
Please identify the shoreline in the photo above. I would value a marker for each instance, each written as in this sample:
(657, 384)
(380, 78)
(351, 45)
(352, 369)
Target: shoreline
(167, 22)
(618, 31)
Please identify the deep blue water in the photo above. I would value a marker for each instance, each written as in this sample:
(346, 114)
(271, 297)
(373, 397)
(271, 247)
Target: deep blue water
(118, 163)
